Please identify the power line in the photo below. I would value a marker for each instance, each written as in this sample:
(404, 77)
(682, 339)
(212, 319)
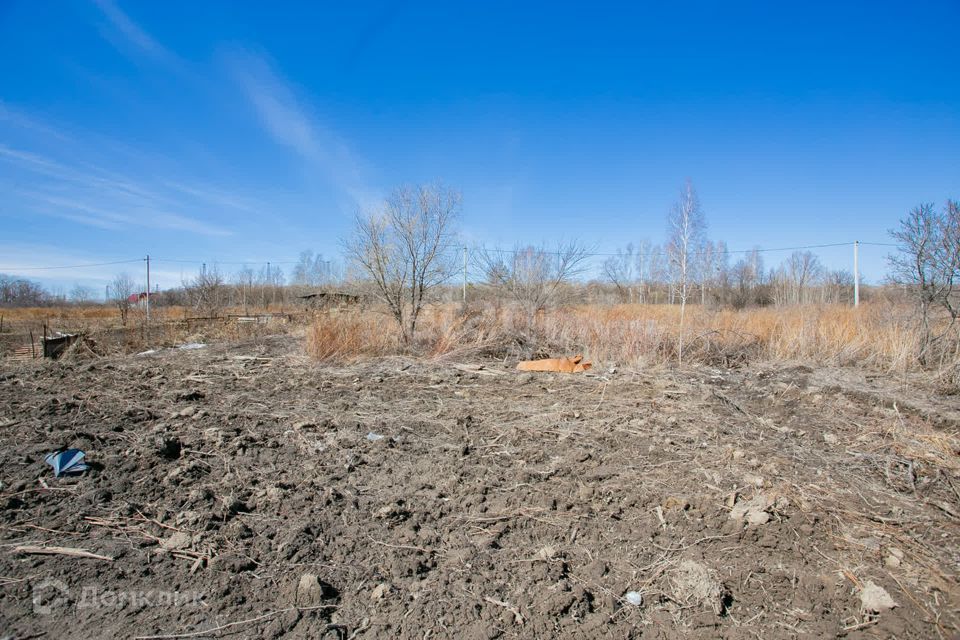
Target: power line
(692, 253)
(495, 250)
(72, 266)
(243, 262)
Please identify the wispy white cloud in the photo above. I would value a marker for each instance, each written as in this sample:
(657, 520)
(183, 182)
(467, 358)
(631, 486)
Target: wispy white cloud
(216, 196)
(286, 118)
(22, 259)
(143, 214)
(71, 194)
(17, 118)
(211, 194)
(133, 34)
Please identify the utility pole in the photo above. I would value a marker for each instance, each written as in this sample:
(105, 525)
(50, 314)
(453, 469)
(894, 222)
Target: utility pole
(464, 276)
(273, 290)
(856, 273)
(148, 288)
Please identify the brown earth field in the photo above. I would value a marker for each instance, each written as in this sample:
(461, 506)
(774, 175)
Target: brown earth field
(242, 490)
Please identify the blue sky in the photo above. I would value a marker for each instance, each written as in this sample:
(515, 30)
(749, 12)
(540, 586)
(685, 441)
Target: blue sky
(249, 131)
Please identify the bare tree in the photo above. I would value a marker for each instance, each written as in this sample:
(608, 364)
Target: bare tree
(686, 228)
(711, 261)
(657, 272)
(406, 248)
(802, 268)
(645, 268)
(619, 270)
(122, 289)
(837, 286)
(207, 291)
(243, 286)
(313, 270)
(81, 294)
(532, 276)
(928, 263)
(18, 292)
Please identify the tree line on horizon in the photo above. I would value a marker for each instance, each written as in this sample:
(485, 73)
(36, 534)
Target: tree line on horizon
(406, 251)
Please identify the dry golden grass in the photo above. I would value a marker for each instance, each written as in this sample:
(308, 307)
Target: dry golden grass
(344, 337)
(879, 336)
(882, 336)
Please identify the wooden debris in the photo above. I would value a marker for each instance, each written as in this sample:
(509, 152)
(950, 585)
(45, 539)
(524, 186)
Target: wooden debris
(559, 365)
(60, 551)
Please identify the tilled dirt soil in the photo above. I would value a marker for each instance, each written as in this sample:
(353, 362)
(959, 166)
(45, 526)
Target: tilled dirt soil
(245, 491)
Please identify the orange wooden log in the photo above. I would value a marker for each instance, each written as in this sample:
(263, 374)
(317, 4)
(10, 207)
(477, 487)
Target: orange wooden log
(559, 365)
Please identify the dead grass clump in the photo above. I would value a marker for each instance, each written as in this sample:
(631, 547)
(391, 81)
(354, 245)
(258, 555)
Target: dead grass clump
(345, 337)
(452, 332)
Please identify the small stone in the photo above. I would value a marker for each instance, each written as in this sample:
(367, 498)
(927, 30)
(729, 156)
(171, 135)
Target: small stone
(547, 553)
(894, 558)
(830, 438)
(187, 412)
(754, 511)
(179, 540)
(381, 591)
(309, 590)
(634, 597)
(875, 599)
(753, 479)
(676, 502)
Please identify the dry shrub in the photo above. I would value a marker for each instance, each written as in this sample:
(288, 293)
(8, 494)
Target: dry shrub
(453, 332)
(343, 337)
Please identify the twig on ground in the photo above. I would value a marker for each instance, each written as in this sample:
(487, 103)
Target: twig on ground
(60, 551)
(518, 619)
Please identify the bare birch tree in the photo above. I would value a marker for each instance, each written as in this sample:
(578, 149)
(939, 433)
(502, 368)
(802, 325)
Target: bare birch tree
(802, 268)
(686, 228)
(406, 248)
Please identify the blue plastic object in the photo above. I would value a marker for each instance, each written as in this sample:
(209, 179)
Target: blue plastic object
(67, 462)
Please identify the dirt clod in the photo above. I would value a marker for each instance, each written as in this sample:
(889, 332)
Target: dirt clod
(696, 584)
(309, 591)
(875, 599)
